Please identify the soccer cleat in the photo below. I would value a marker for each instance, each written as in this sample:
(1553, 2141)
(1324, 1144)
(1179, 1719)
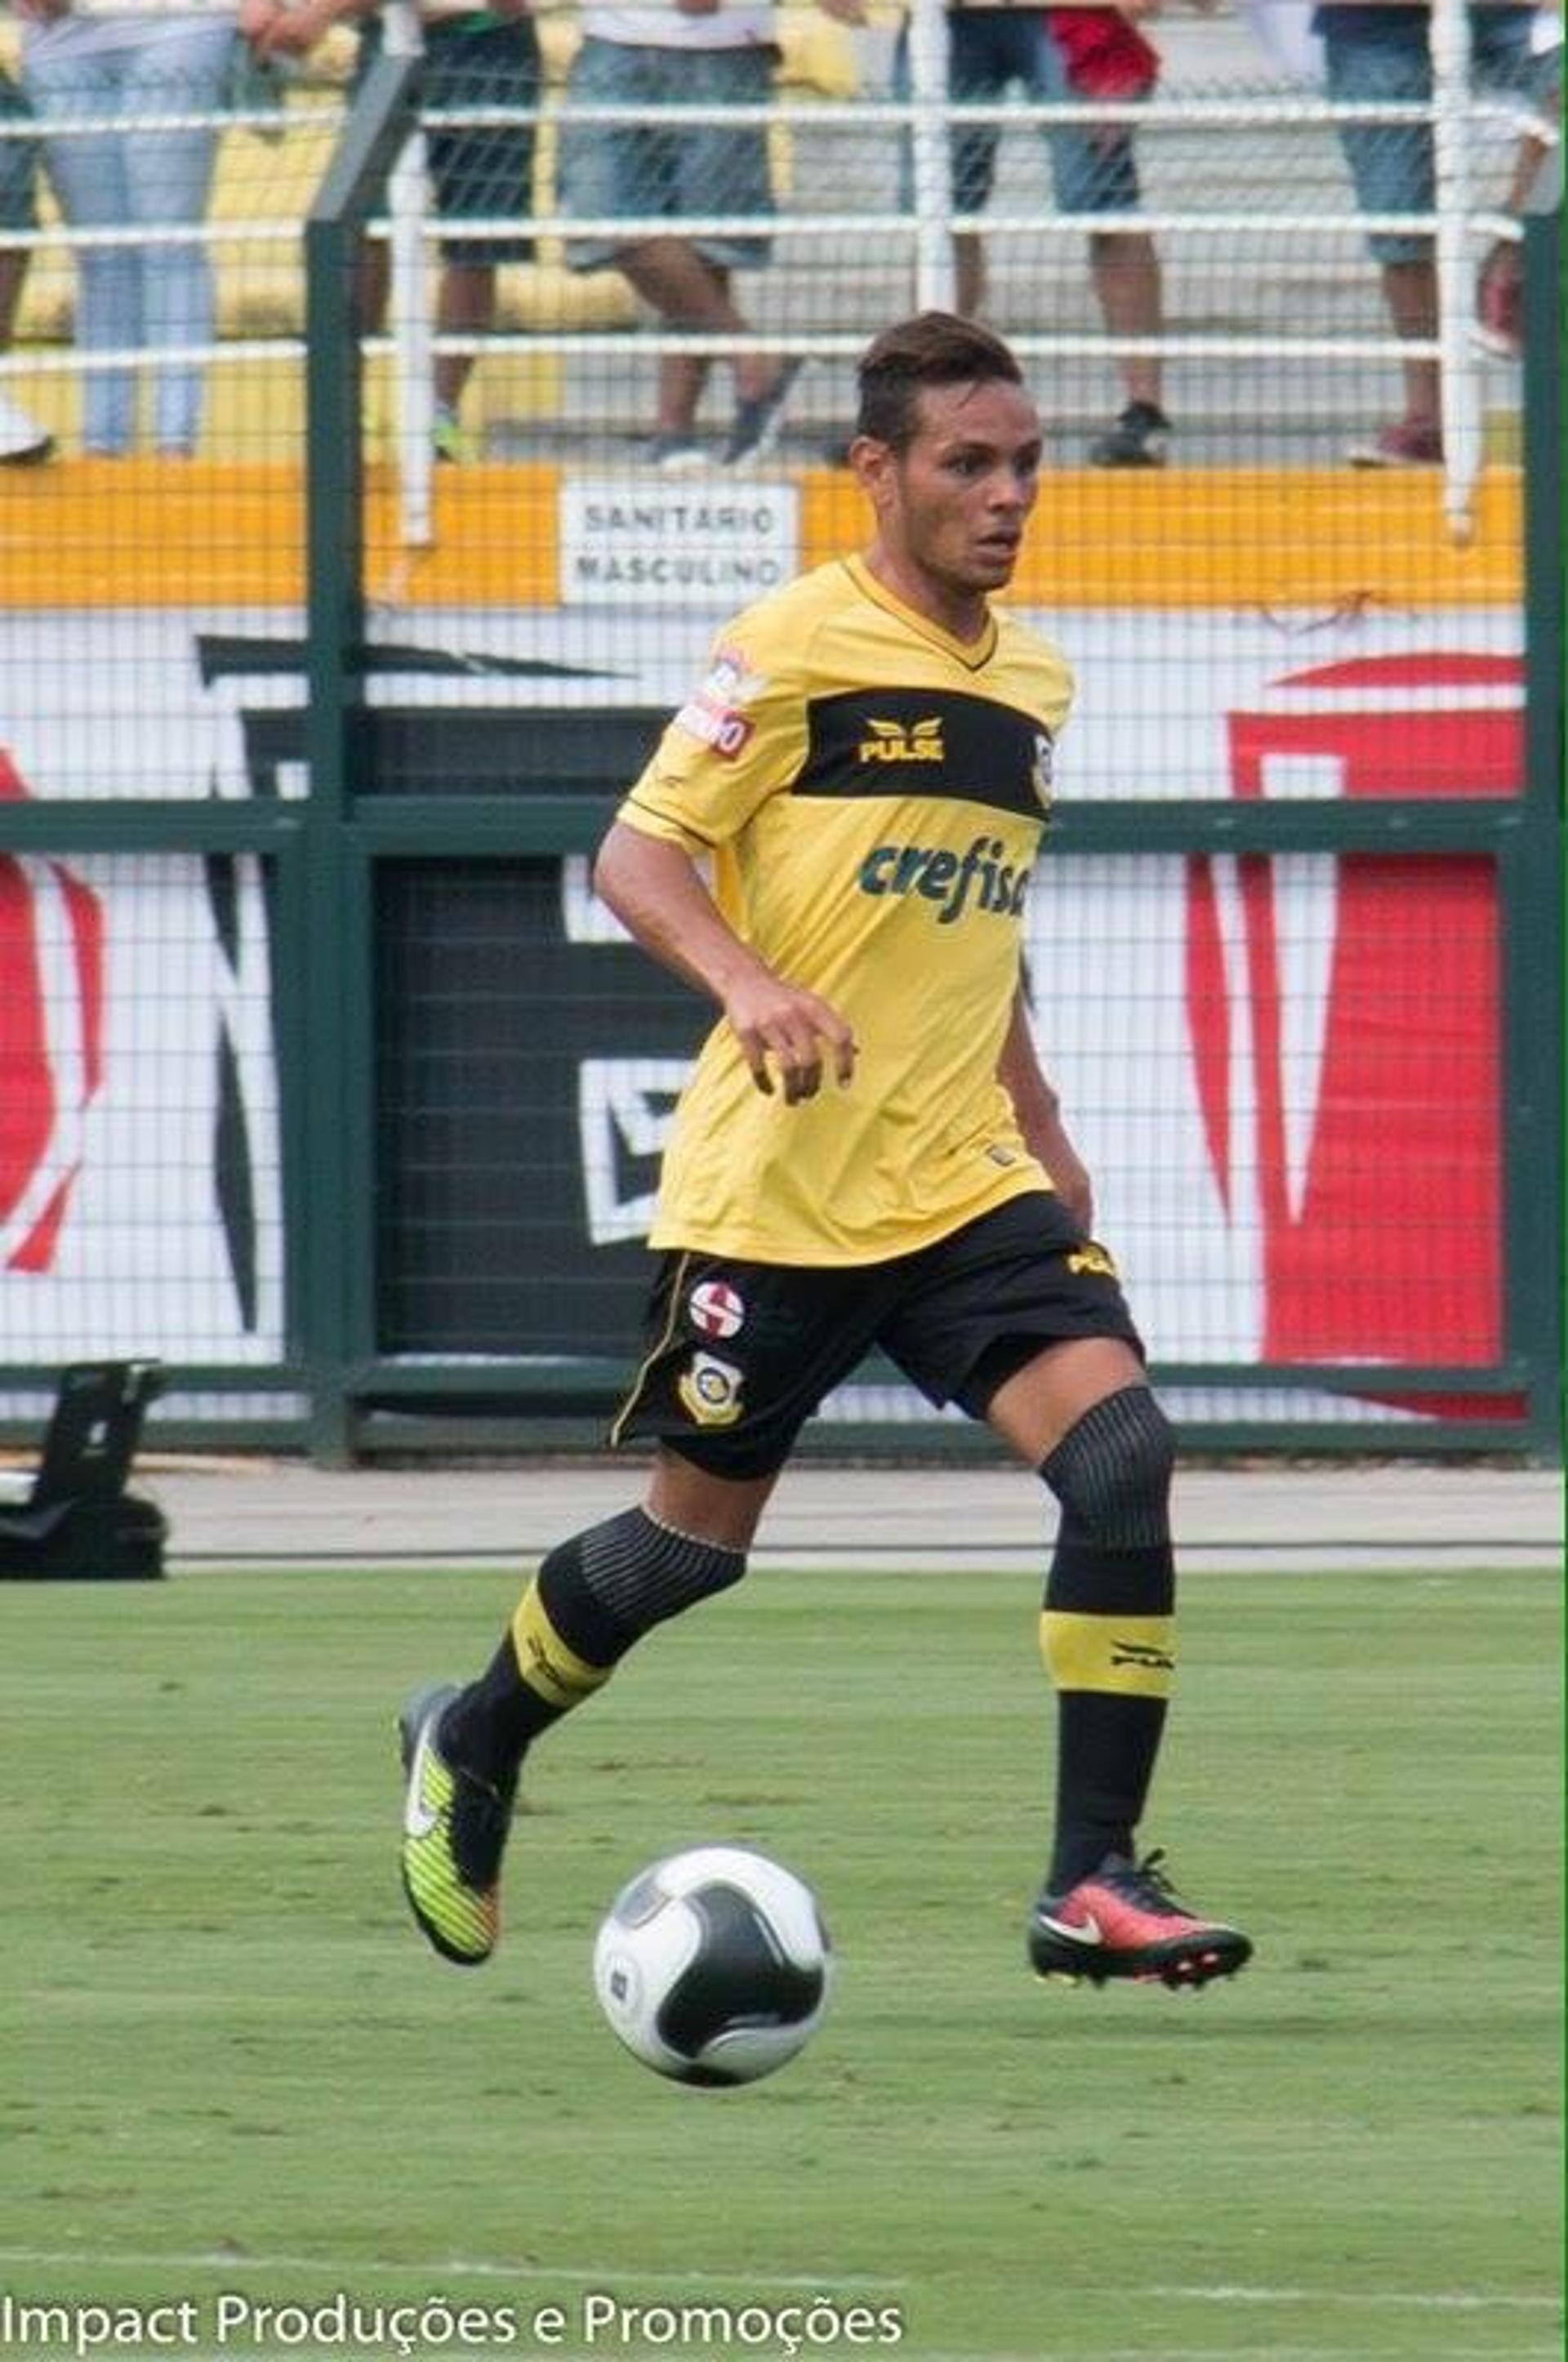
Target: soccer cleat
(758, 420)
(453, 1833)
(1408, 443)
(1140, 438)
(1124, 1921)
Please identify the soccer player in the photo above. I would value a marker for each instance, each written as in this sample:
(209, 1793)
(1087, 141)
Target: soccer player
(867, 1154)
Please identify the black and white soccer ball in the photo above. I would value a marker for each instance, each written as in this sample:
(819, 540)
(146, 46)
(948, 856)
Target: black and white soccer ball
(713, 1966)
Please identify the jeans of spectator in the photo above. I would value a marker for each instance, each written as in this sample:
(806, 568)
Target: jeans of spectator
(1392, 164)
(18, 161)
(991, 51)
(134, 296)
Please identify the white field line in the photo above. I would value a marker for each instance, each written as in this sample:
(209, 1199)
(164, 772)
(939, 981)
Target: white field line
(343, 2273)
(1164, 2352)
(1158, 2353)
(1414, 2300)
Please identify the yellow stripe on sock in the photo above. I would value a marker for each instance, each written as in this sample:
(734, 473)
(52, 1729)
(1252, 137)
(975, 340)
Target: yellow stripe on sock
(561, 1677)
(1132, 1654)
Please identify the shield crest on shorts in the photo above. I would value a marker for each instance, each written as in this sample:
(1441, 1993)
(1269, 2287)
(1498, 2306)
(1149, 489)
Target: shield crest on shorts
(710, 1390)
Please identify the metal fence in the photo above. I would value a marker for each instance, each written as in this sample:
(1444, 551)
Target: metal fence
(330, 1083)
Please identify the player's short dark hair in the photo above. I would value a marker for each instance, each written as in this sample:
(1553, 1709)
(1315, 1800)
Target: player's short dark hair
(933, 348)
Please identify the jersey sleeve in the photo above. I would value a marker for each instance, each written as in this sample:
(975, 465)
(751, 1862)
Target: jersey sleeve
(739, 738)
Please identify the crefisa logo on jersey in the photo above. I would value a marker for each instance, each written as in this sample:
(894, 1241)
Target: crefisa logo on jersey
(51, 1043)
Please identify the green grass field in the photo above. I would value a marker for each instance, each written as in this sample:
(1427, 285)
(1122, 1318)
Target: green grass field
(228, 2065)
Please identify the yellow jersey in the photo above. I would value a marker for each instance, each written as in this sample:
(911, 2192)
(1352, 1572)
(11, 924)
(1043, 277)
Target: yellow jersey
(870, 794)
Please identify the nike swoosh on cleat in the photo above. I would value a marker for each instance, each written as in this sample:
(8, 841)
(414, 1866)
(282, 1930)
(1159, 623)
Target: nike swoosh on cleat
(418, 1817)
(1087, 1931)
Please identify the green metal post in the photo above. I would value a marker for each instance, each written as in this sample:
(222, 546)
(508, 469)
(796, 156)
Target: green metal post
(1533, 906)
(336, 1190)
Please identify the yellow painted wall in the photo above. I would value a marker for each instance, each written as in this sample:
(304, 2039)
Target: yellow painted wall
(143, 532)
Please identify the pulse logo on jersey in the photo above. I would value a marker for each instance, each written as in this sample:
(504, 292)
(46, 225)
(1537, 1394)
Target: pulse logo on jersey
(894, 741)
(979, 878)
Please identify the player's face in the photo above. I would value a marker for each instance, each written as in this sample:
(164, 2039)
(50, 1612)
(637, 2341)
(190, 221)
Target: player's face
(951, 507)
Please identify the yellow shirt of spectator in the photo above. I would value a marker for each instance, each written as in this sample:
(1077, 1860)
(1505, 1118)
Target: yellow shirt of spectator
(871, 794)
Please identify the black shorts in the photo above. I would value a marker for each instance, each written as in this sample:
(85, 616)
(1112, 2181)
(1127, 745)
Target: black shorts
(738, 1355)
(478, 171)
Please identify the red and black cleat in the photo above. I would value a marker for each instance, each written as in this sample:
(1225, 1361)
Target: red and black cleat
(1124, 1921)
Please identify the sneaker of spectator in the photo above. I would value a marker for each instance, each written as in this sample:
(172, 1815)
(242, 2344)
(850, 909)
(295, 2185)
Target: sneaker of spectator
(677, 453)
(1140, 437)
(1407, 443)
(1499, 301)
(23, 442)
(758, 420)
(451, 440)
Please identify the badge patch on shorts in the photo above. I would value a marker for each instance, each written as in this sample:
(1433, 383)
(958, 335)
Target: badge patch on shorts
(710, 1390)
(716, 1309)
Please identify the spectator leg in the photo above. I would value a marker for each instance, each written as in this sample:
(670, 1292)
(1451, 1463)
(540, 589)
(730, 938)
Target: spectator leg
(1409, 290)
(169, 181)
(86, 171)
(690, 292)
(1125, 268)
(465, 307)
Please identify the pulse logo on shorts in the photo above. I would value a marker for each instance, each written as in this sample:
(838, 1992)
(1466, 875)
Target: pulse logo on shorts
(710, 1390)
(979, 879)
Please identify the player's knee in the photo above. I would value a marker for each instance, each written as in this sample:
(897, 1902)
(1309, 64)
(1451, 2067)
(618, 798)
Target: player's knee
(1111, 1470)
(640, 1571)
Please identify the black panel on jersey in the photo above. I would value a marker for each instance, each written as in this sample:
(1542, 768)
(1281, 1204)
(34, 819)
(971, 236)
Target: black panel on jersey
(934, 742)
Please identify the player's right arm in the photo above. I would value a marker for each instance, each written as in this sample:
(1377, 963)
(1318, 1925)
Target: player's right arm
(654, 888)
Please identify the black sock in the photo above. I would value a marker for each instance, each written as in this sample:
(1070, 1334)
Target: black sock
(1105, 1759)
(489, 1727)
(593, 1597)
(1106, 1636)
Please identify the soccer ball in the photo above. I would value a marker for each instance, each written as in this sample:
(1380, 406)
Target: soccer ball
(713, 1966)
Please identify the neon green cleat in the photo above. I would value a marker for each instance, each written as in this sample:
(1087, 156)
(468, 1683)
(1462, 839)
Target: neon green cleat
(454, 1832)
